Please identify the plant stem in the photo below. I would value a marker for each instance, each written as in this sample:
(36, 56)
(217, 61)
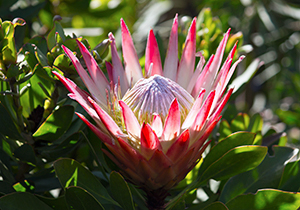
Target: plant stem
(156, 199)
(16, 100)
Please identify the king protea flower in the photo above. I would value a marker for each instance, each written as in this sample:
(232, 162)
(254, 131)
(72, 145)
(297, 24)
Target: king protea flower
(155, 122)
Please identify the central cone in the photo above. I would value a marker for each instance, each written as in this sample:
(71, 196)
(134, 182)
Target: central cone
(155, 95)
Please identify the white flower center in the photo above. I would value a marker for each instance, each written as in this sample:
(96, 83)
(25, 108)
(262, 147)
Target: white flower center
(155, 95)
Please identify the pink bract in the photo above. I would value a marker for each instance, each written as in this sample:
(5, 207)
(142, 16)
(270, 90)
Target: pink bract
(155, 123)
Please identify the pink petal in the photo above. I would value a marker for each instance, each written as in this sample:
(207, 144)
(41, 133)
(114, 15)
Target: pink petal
(190, 118)
(130, 153)
(203, 113)
(109, 69)
(220, 107)
(202, 136)
(219, 84)
(181, 166)
(123, 154)
(132, 125)
(69, 84)
(231, 71)
(108, 122)
(95, 72)
(166, 178)
(95, 129)
(172, 124)
(133, 69)
(210, 76)
(179, 147)
(201, 78)
(149, 139)
(187, 62)
(171, 61)
(223, 69)
(79, 95)
(157, 125)
(100, 95)
(159, 161)
(118, 73)
(196, 74)
(146, 170)
(152, 55)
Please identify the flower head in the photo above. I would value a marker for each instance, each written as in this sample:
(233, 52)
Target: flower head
(155, 122)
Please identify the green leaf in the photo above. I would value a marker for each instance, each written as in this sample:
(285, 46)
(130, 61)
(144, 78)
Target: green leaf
(121, 191)
(256, 123)
(179, 205)
(290, 180)
(6, 174)
(56, 124)
(266, 199)
(25, 153)
(51, 38)
(41, 57)
(216, 206)
(55, 203)
(18, 22)
(62, 62)
(34, 96)
(233, 140)
(10, 128)
(176, 203)
(22, 200)
(28, 51)
(224, 129)
(55, 151)
(5, 187)
(5, 167)
(235, 161)
(24, 186)
(71, 173)
(258, 138)
(96, 147)
(80, 199)
(60, 31)
(240, 122)
(266, 175)
(12, 71)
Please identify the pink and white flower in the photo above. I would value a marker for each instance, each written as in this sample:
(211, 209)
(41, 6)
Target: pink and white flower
(154, 123)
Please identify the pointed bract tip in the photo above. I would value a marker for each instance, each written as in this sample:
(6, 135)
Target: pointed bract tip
(64, 47)
(228, 31)
(121, 103)
(202, 91)
(81, 46)
(174, 102)
(91, 100)
(111, 36)
(194, 22)
(175, 18)
(79, 115)
(192, 29)
(123, 25)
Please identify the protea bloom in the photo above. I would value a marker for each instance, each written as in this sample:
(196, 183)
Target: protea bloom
(155, 122)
